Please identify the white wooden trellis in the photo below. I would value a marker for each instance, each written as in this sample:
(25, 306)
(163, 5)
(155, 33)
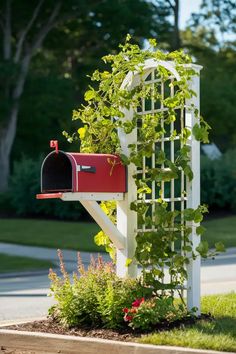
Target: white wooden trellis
(189, 192)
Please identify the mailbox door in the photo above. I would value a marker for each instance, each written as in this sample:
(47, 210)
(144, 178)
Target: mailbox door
(98, 173)
(57, 173)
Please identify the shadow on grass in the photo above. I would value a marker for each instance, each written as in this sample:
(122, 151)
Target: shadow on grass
(220, 325)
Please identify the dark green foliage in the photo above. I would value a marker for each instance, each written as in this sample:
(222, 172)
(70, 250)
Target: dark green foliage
(45, 111)
(218, 16)
(25, 184)
(99, 28)
(6, 208)
(57, 77)
(218, 82)
(44, 48)
(218, 181)
(210, 38)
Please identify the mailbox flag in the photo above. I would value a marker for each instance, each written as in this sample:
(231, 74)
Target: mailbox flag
(54, 144)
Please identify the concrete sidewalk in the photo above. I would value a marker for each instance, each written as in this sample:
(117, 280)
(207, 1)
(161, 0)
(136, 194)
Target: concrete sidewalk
(39, 252)
(50, 254)
(70, 256)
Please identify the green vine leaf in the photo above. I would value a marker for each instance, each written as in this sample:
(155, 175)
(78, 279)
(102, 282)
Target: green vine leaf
(200, 230)
(203, 249)
(220, 247)
(158, 169)
(188, 214)
(124, 159)
(198, 216)
(188, 172)
(89, 95)
(201, 133)
(128, 262)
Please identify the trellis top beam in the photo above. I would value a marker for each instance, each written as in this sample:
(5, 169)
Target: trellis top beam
(133, 78)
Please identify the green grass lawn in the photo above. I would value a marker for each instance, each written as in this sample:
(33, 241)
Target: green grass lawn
(55, 234)
(79, 235)
(14, 263)
(221, 229)
(219, 334)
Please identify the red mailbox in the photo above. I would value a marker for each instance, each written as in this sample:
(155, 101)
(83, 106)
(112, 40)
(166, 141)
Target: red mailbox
(77, 172)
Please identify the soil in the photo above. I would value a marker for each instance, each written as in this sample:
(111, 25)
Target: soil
(125, 335)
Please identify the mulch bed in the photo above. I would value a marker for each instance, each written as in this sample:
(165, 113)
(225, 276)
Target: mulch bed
(125, 335)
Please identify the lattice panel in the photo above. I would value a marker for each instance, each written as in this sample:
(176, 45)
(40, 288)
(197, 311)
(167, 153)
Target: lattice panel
(174, 191)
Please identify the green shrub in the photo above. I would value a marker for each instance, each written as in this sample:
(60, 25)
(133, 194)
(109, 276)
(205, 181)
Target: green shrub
(218, 181)
(97, 297)
(25, 184)
(6, 208)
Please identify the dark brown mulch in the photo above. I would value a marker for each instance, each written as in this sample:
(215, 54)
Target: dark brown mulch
(125, 335)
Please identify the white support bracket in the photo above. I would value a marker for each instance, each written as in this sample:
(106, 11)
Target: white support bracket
(105, 223)
(69, 196)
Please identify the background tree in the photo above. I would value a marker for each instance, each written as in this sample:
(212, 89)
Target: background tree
(24, 27)
(41, 84)
(171, 7)
(174, 7)
(77, 29)
(209, 38)
(218, 17)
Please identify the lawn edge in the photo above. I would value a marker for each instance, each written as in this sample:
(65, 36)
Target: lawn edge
(47, 342)
(28, 273)
(7, 323)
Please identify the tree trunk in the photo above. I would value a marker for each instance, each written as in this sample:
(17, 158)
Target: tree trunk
(8, 132)
(4, 167)
(176, 35)
(7, 137)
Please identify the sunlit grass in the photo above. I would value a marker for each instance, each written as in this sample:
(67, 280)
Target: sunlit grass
(218, 334)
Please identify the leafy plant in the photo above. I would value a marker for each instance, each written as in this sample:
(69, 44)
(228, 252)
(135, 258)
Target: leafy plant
(102, 116)
(145, 314)
(94, 297)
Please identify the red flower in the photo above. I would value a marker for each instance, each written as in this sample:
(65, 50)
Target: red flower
(125, 310)
(128, 318)
(138, 302)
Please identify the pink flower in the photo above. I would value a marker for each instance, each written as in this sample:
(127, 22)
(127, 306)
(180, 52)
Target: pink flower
(125, 310)
(138, 302)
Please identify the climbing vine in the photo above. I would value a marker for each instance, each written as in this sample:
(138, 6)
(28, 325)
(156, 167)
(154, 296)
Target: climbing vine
(103, 114)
